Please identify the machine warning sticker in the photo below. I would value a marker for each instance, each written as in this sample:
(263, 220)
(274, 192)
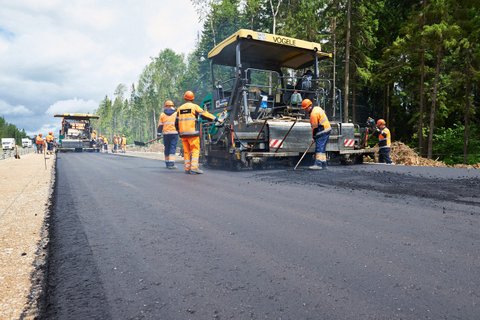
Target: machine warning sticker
(262, 36)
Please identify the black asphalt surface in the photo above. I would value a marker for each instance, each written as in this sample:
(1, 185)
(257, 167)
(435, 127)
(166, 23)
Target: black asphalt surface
(132, 240)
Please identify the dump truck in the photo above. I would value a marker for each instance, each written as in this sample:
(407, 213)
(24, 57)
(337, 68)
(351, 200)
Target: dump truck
(76, 133)
(258, 83)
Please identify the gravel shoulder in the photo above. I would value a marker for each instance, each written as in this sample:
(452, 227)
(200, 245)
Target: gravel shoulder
(26, 186)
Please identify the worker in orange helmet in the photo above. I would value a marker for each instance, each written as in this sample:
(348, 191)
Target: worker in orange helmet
(40, 143)
(50, 139)
(384, 142)
(167, 129)
(124, 143)
(321, 129)
(187, 126)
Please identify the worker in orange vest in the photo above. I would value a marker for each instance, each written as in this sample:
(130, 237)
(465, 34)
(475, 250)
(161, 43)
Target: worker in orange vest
(384, 142)
(124, 143)
(105, 144)
(115, 144)
(40, 143)
(321, 129)
(187, 126)
(50, 139)
(167, 129)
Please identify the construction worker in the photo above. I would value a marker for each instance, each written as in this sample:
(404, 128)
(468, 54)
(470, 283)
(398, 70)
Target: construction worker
(166, 127)
(124, 143)
(384, 142)
(115, 144)
(50, 139)
(320, 131)
(93, 140)
(40, 143)
(105, 144)
(187, 126)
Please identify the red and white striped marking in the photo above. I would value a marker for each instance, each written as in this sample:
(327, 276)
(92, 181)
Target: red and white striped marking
(349, 142)
(275, 143)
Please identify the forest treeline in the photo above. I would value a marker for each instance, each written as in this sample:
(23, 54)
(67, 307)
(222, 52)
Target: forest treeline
(8, 130)
(414, 63)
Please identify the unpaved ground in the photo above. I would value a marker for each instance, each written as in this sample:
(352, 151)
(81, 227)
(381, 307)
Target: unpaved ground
(25, 187)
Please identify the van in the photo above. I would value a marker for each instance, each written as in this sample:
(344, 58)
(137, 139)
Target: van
(8, 143)
(26, 142)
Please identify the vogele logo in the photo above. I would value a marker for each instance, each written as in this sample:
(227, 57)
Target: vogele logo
(283, 40)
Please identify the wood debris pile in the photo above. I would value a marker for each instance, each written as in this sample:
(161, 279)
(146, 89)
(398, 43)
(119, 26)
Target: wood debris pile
(403, 154)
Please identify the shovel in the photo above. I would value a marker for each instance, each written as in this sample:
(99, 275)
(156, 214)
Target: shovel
(313, 141)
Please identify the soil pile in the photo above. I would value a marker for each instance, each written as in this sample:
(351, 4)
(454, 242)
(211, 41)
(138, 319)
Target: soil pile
(403, 154)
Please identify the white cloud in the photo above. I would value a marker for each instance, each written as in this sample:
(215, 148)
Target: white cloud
(9, 110)
(72, 106)
(53, 50)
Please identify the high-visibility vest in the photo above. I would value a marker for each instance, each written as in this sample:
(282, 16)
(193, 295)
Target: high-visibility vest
(384, 138)
(39, 140)
(49, 138)
(187, 115)
(318, 119)
(168, 123)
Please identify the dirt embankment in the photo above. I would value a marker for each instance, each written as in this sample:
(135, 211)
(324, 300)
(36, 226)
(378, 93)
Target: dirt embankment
(26, 186)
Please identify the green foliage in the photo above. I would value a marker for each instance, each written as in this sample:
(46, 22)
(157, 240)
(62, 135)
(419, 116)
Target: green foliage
(8, 130)
(448, 144)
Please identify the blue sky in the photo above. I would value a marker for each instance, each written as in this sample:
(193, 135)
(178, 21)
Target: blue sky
(66, 55)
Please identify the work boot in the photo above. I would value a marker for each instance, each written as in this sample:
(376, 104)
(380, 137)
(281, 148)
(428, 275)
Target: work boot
(196, 171)
(317, 166)
(187, 171)
(324, 165)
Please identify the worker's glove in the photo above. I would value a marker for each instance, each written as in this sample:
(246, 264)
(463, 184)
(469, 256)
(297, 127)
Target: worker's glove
(159, 134)
(217, 122)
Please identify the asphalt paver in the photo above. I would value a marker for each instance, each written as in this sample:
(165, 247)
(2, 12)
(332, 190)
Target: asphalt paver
(133, 240)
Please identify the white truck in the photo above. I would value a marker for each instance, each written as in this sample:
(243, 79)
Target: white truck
(26, 142)
(8, 143)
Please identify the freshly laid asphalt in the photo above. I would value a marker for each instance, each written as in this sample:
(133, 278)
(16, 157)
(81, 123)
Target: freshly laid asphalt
(133, 240)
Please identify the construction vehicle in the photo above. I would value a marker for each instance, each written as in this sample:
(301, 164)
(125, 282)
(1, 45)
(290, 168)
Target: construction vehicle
(26, 142)
(76, 133)
(257, 94)
(8, 143)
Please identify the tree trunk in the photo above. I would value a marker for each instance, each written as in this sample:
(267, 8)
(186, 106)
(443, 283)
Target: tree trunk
(466, 117)
(434, 103)
(421, 103)
(334, 89)
(354, 102)
(347, 62)
(154, 125)
(387, 105)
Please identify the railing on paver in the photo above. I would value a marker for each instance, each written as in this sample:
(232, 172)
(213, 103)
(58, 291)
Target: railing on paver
(4, 154)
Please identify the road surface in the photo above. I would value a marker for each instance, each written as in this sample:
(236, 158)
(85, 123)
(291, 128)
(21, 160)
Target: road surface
(132, 240)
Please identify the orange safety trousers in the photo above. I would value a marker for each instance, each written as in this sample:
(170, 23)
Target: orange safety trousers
(191, 152)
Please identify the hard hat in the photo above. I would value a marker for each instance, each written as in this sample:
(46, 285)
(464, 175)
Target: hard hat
(169, 103)
(380, 122)
(306, 103)
(50, 132)
(40, 134)
(189, 96)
